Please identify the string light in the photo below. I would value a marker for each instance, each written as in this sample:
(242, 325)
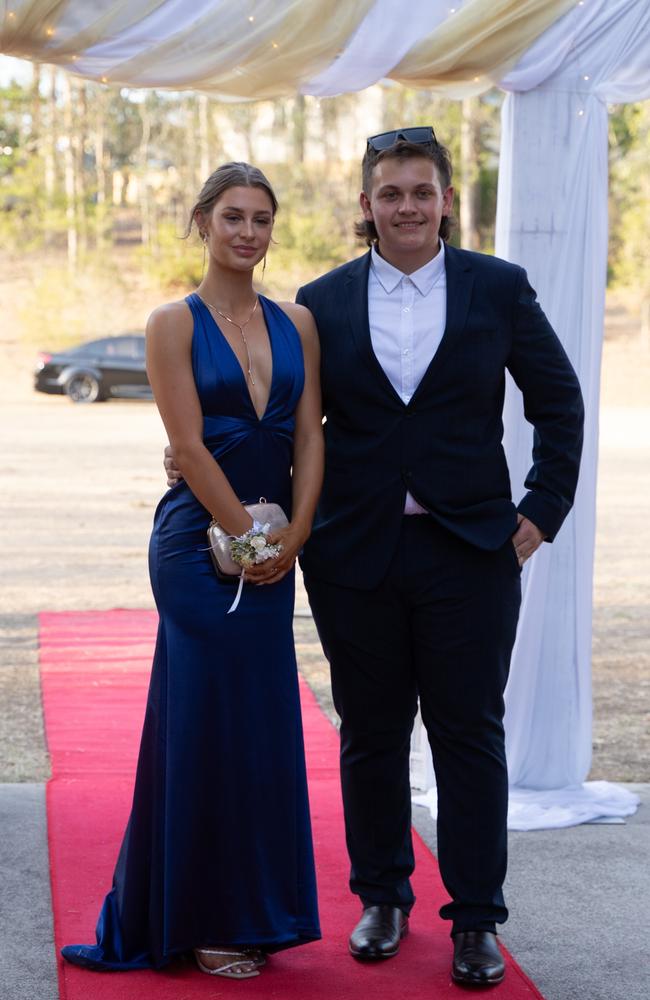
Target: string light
(50, 32)
(476, 79)
(275, 45)
(251, 18)
(580, 113)
(104, 79)
(586, 77)
(10, 14)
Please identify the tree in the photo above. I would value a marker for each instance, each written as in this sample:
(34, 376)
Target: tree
(68, 140)
(629, 154)
(470, 198)
(69, 149)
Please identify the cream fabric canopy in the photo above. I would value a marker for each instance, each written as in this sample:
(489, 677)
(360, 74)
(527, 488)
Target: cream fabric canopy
(560, 61)
(269, 48)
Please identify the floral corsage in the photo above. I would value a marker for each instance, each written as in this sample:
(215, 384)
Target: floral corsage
(253, 546)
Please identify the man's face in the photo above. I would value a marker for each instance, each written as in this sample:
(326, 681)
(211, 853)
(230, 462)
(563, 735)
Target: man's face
(406, 203)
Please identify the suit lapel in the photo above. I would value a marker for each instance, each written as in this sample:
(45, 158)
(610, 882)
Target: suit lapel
(460, 280)
(356, 295)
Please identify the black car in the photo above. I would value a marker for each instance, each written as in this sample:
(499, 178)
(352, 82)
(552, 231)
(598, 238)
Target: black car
(97, 370)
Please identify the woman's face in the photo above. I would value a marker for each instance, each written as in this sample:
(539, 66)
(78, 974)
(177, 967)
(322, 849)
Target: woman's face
(239, 227)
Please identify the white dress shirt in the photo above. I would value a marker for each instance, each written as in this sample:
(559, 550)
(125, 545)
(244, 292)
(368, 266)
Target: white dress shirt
(407, 314)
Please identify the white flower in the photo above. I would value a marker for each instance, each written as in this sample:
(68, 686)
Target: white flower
(253, 547)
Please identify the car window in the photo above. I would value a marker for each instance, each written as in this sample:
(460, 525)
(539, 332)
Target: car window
(93, 347)
(112, 347)
(120, 347)
(126, 347)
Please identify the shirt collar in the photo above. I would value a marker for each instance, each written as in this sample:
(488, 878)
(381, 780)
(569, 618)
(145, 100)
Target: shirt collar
(424, 278)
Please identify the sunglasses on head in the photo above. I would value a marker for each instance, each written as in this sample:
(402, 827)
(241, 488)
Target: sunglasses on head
(420, 135)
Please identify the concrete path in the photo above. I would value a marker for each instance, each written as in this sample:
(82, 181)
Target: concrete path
(27, 962)
(578, 901)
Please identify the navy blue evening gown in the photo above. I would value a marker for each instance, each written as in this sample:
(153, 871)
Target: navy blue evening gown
(218, 847)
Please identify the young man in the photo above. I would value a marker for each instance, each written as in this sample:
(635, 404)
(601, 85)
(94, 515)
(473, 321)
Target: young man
(413, 566)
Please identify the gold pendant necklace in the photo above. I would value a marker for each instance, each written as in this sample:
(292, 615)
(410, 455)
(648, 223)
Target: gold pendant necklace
(241, 330)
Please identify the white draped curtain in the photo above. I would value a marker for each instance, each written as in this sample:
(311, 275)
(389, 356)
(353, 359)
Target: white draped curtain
(560, 61)
(552, 216)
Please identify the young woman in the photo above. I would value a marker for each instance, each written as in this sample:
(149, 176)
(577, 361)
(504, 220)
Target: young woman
(217, 856)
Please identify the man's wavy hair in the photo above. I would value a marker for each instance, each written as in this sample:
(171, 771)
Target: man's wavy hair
(403, 150)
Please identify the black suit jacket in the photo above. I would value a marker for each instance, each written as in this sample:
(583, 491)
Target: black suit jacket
(445, 444)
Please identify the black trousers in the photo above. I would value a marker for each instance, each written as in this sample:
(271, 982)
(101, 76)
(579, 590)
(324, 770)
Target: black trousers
(440, 626)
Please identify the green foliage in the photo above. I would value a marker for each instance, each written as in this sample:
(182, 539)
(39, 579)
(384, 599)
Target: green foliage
(14, 102)
(314, 229)
(629, 263)
(20, 174)
(172, 262)
(23, 205)
(405, 106)
(9, 142)
(488, 178)
(123, 127)
(154, 147)
(60, 310)
(626, 126)
(305, 245)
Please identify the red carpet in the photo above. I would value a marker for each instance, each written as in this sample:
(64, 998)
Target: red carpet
(95, 669)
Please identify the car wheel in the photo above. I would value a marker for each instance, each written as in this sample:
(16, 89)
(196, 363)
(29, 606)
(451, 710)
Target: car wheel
(83, 388)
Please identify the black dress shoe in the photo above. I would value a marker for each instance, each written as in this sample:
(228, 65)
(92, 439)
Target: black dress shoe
(378, 933)
(477, 959)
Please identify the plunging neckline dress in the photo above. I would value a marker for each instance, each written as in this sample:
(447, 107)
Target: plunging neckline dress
(218, 847)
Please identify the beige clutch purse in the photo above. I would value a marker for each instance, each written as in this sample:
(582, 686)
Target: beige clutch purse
(219, 539)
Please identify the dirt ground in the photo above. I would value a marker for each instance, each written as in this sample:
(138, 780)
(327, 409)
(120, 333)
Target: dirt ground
(80, 485)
